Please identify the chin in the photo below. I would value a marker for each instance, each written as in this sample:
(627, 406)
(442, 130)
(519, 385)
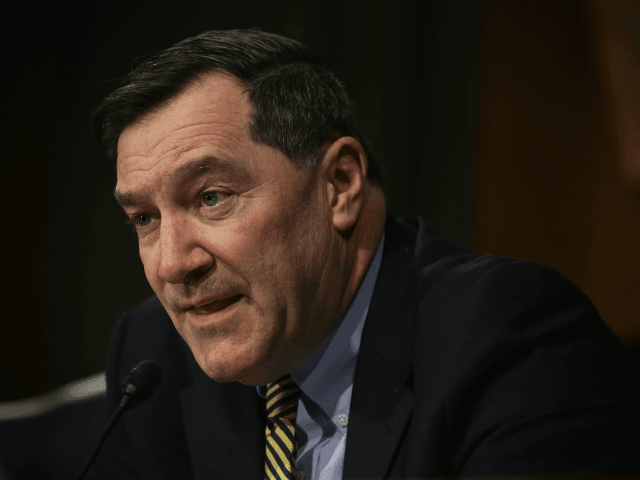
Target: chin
(236, 367)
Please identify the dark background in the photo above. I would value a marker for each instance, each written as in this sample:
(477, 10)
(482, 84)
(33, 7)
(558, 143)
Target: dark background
(426, 79)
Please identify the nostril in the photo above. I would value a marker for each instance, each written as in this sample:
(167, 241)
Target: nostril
(196, 275)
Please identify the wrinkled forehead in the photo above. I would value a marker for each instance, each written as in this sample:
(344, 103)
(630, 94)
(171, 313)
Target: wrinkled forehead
(214, 114)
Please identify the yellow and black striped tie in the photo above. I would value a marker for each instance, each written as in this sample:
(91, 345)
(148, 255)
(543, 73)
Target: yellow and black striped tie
(282, 408)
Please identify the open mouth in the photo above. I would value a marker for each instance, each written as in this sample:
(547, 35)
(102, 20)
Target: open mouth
(216, 306)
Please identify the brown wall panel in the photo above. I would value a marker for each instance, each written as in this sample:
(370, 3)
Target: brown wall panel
(548, 187)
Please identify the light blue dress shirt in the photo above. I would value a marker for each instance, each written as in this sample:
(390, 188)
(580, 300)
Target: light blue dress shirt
(326, 381)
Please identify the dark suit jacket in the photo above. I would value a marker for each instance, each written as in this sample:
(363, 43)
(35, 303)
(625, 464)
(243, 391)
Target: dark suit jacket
(469, 365)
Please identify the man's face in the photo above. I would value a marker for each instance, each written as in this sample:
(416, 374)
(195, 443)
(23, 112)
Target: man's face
(236, 241)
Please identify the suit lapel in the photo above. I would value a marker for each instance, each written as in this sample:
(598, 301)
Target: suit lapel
(382, 403)
(224, 426)
(381, 406)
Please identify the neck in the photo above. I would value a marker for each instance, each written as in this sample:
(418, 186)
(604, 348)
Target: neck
(365, 239)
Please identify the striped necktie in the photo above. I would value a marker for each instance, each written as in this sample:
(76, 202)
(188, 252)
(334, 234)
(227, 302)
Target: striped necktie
(282, 408)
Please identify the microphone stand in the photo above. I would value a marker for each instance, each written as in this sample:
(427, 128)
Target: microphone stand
(136, 388)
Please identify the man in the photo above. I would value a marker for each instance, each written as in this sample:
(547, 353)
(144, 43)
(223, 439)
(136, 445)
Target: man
(304, 333)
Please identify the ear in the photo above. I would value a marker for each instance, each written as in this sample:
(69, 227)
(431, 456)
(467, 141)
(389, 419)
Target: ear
(345, 172)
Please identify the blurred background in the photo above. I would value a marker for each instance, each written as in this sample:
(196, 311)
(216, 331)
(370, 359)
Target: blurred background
(514, 127)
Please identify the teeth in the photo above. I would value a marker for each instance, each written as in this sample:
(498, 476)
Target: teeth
(206, 307)
(214, 306)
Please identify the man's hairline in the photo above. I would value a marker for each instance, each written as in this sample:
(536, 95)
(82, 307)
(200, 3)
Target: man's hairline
(200, 79)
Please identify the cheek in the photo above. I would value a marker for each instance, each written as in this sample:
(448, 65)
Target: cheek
(260, 237)
(278, 251)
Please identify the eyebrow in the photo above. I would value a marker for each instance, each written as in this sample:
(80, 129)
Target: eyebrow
(187, 172)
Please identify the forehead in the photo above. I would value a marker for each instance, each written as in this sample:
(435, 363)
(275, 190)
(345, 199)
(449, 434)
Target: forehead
(210, 117)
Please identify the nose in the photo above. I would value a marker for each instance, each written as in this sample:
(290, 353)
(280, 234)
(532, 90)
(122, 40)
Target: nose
(182, 259)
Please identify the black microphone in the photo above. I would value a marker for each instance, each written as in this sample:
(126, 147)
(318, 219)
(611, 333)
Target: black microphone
(135, 389)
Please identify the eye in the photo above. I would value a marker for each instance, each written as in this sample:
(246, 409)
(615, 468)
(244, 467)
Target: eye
(143, 219)
(211, 199)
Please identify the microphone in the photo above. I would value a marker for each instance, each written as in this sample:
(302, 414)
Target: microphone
(137, 386)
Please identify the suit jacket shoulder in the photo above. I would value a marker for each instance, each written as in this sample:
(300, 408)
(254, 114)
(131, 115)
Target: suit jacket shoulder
(503, 366)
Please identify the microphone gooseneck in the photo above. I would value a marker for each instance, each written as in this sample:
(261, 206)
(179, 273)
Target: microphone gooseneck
(137, 386)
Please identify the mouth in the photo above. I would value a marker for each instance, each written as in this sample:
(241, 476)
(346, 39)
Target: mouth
(214, 307)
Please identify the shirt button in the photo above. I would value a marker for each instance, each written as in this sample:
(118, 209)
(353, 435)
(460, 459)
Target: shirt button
(343, 420)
